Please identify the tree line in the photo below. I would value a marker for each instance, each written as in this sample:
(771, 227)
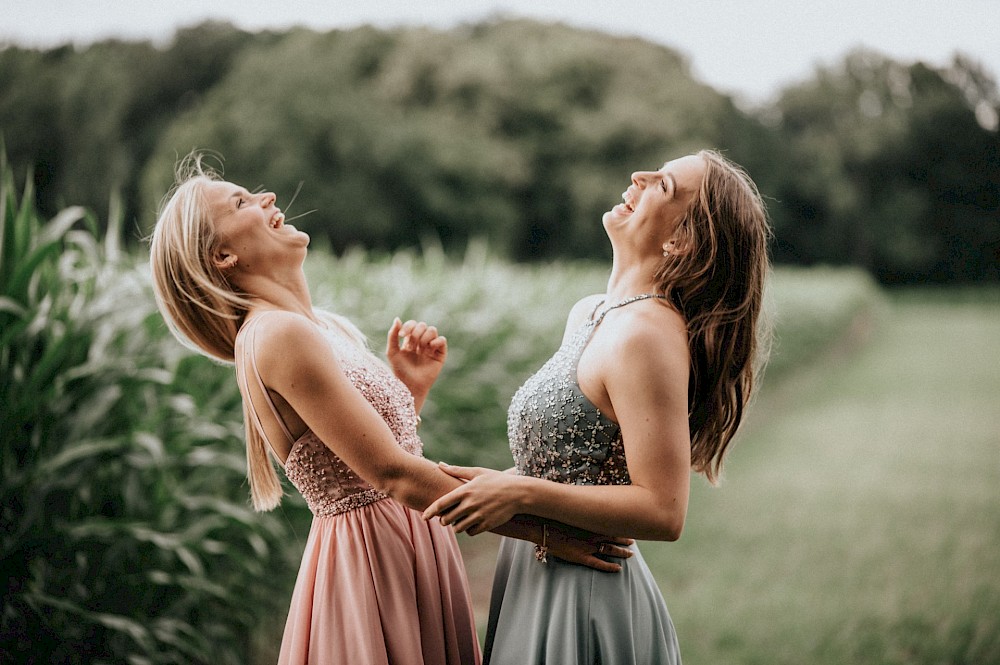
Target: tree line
(519, 132)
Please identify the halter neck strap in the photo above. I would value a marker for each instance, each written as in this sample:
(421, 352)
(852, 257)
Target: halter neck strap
(627, 301)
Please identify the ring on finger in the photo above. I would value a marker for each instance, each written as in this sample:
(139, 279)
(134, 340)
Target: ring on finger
(600, 548)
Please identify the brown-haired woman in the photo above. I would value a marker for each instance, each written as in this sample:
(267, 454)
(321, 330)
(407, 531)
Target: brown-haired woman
(652, 380)
(377, 583)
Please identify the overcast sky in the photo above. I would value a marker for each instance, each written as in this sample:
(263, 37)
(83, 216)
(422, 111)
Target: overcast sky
(745, 47)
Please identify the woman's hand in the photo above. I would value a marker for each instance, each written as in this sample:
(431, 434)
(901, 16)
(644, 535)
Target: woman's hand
(416, 353)
(488, 499)
(586, 548)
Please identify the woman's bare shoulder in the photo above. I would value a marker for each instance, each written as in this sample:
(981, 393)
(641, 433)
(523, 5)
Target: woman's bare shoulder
(284, 340)
(276, 325)
(654, 330)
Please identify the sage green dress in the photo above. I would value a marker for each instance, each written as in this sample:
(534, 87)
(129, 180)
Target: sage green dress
(559, 613)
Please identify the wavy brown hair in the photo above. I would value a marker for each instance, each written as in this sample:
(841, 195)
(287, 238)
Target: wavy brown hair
(717, 283)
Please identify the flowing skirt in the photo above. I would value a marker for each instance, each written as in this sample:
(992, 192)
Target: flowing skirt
(558, 613)
(378, 586)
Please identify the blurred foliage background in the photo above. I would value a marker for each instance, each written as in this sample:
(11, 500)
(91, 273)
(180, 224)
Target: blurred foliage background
(460, 177)
(519, 132)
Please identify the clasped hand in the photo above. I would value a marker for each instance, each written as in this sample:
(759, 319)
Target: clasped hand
(489, 498)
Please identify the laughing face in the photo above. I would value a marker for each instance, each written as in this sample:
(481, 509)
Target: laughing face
(655, 201)
(249, 227)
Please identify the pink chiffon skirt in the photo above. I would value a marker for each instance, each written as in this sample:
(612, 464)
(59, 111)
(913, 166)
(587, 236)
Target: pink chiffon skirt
(378, 586)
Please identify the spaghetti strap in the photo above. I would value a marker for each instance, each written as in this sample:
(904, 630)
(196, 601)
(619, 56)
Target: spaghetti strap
(249, 331)
(594, 311)
(590, 326)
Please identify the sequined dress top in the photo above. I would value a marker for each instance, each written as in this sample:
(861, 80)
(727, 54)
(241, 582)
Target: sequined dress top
(555, 432)
(326, 483)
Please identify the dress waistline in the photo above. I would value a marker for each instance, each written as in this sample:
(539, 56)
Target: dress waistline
(351, 502)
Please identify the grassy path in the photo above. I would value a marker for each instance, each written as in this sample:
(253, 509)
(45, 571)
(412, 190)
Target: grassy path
(859, 521)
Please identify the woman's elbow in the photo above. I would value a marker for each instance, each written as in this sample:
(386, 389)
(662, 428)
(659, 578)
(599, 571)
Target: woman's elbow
(390, 478)
(399, 481)
(673, 531)
(670, 525)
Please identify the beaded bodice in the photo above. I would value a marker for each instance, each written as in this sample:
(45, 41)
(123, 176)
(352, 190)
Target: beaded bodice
(327, 484)
(555, 431)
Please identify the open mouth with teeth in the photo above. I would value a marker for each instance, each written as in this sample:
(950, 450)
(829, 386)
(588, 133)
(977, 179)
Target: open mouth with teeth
(278, 220)
(628, 204)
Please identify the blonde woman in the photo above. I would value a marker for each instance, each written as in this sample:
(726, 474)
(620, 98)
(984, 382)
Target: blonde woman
(377, 584)
(651, 381)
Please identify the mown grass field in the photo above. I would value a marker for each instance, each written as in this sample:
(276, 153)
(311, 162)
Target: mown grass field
(858, 521)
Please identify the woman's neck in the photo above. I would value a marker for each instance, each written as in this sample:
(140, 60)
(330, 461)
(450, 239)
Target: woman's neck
(289, 293)
(630, 280)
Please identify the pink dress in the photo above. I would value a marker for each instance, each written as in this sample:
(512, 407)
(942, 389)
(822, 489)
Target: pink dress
(378, 585)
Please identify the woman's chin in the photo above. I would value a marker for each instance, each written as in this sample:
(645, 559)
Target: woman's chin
(617, 216)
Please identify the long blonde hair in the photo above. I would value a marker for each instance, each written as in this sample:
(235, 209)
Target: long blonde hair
(198, 303)
(717, 283)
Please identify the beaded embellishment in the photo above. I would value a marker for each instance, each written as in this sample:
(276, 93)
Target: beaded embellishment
(555, 432)
(328, 485)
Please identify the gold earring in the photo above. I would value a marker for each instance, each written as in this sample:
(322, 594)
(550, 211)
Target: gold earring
(667, 246)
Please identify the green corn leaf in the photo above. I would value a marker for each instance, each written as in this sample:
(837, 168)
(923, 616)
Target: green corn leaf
(131, 628)
(57, 355)
(11, 306)
(8, 226)
(25, 226)
(77, 453)
(27, 269)
(182, 636)
(59, 226)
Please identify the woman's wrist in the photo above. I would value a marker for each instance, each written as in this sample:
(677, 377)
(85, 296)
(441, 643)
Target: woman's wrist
(418, 402)
(523, 495)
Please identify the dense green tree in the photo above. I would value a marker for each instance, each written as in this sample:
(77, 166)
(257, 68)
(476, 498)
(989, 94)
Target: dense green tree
(892, 167)
(83, 121)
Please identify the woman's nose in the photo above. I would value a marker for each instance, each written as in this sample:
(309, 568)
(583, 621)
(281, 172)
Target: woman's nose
(639, 178)
(267, 199)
